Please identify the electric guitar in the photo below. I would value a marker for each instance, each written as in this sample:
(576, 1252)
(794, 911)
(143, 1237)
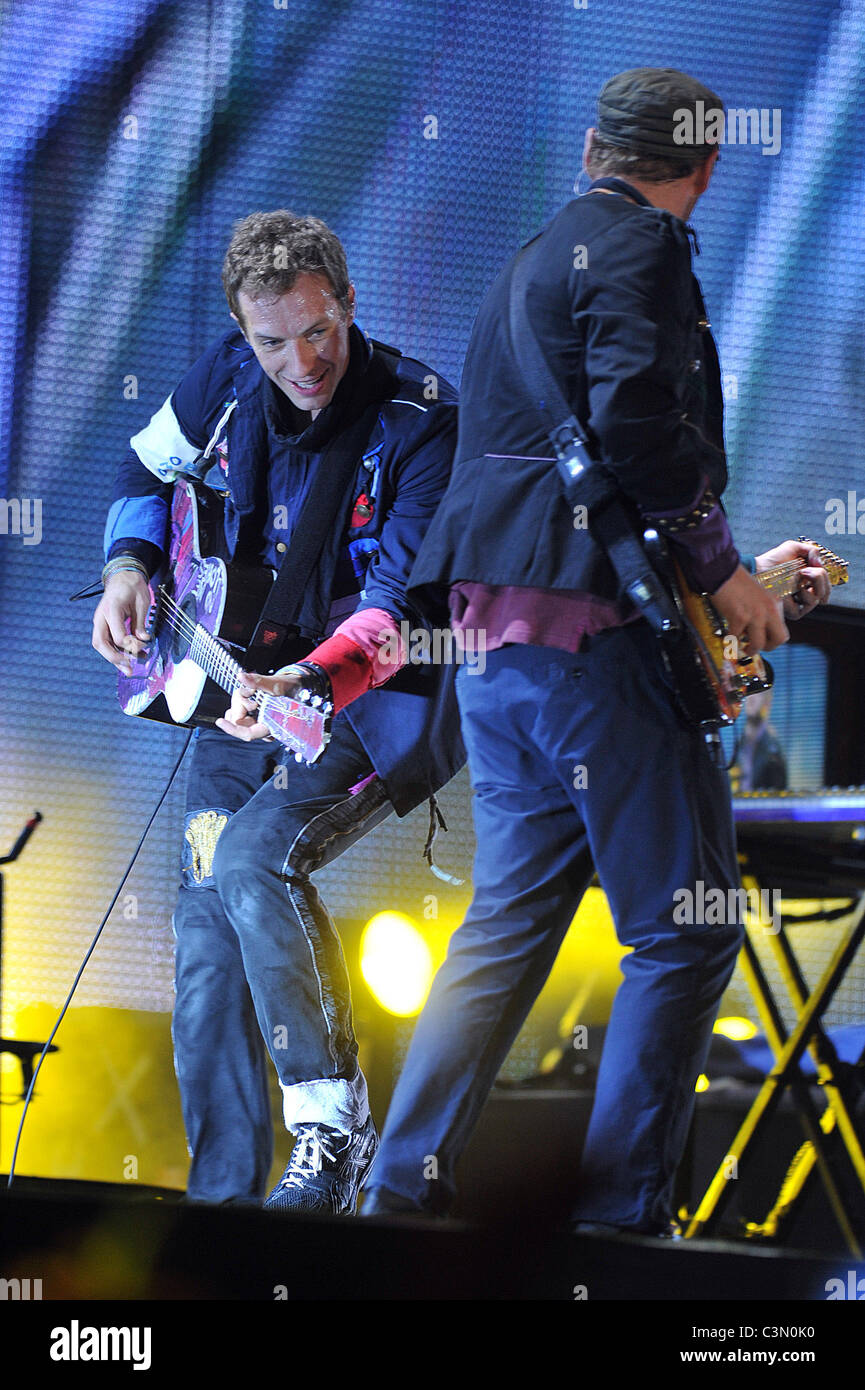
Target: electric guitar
(201, 620)
(713, 671)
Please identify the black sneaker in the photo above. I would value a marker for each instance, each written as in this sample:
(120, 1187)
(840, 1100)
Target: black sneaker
(671, 1231)
(379, 1201)
(326, 1170)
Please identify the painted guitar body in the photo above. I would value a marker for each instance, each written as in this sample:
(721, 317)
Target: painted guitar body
(203, 615)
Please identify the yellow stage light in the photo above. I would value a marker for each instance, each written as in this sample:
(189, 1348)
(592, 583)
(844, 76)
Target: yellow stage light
(702, 1082)
(737, 1029)
(396, 963)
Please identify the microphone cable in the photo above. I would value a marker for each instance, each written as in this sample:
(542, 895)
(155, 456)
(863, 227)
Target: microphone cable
(91, 948)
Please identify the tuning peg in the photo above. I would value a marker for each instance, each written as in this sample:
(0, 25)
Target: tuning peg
(303, 696)
(327, 707)
(298, 757)
(316, 701)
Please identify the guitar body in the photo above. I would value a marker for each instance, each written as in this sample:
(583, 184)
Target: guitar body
(224, 599)
(689, 675)
(202, 619)
(712, 671)
(733, 673)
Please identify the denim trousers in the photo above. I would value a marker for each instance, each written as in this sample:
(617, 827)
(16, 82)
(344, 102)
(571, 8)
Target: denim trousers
(259, 968)
(578, 763)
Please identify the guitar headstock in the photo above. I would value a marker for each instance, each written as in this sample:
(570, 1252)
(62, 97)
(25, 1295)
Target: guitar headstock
(837, 569)
(301, 721)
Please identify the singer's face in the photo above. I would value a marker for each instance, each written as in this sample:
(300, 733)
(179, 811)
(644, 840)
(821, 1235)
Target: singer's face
(300, 338)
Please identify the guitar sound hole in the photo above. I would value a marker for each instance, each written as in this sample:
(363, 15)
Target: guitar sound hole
(181, 638)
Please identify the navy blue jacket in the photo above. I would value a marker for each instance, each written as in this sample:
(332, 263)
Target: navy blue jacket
(226, 425)
(616, 308)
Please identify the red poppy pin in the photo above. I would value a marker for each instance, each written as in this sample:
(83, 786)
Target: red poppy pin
(363, 510)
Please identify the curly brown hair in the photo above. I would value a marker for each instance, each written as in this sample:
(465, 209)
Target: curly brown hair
(268, 250)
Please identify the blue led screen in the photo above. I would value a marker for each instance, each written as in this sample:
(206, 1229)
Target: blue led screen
(433, 136)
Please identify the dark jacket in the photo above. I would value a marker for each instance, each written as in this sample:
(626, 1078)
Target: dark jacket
(619, 315)
(227, 408)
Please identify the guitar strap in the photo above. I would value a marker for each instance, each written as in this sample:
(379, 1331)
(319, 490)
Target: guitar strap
(325, 506)
(586, 482)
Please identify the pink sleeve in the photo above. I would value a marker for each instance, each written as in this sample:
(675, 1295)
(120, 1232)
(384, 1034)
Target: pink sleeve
(361, 654)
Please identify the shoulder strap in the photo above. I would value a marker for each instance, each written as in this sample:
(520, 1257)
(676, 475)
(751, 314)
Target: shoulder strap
(586, 481)
(574, 459)
(318, 516)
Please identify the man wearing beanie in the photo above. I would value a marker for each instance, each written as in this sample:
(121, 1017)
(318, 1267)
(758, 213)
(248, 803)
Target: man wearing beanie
(581, 758)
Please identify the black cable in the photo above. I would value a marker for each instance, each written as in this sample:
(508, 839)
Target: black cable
(91, 948)
(737, 743)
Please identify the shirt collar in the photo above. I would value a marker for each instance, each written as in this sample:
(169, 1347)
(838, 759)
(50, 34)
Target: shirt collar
(616, 185)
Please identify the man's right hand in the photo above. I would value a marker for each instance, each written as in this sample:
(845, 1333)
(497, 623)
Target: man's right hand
(120, 621)
(751, 613)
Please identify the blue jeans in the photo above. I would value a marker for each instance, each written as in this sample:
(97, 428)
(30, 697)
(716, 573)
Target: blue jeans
(259, 965)
(577, 762)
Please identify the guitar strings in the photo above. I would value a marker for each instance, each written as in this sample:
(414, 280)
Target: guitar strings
(215, 660)
(779, 574)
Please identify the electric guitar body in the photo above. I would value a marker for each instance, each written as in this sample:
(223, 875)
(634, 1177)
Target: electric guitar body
(714, 673)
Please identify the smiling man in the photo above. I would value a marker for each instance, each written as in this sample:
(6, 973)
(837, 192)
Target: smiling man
(270, 410)
(301, 338)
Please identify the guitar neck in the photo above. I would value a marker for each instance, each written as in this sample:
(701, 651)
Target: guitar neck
(301, 723)
(781, 580)
(212, 657)
(215, 661)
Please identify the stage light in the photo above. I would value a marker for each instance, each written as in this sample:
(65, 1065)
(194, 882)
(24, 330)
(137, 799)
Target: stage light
(396, 963)
(737, 1029)
(702, 1082)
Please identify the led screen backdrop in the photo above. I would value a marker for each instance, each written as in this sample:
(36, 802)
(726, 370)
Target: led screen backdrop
(433, 136)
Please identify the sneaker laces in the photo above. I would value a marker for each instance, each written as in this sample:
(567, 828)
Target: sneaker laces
(310, 1149)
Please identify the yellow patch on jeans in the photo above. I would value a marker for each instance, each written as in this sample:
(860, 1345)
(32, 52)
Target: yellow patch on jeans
(202, 834)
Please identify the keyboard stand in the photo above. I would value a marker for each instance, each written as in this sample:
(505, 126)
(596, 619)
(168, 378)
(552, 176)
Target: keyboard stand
(832, 1144)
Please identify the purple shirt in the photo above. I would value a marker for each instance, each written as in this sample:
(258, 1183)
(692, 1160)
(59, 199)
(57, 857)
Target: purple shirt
(562, 618)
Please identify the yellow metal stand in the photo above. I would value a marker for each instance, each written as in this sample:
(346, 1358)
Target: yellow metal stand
(840, 1161)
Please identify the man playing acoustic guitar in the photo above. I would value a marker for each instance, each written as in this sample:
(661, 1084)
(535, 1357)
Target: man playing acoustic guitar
(295, 390)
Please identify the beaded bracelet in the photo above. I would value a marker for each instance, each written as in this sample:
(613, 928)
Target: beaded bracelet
(124, 562)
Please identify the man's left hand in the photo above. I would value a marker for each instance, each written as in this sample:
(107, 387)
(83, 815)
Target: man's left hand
(240, 719)
(813, 581)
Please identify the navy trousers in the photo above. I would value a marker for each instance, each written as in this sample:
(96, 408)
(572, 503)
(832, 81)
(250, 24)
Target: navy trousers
(259, 966)
(576, 761)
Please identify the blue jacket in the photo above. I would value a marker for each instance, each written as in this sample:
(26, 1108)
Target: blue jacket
(227, 424)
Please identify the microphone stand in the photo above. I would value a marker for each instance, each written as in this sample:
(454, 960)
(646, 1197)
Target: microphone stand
(24, 1051)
